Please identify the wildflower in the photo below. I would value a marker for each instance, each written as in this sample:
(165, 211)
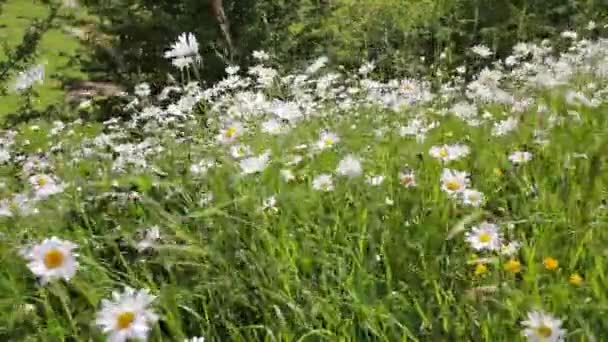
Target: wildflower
(454, 182)
(152, 235)
(520, 157)
(323, 182)
(127, 315)
(195, 339)
(512, 266)
(240, 151)
(480, 269)
(27, 78)
(503, 127)
(575, 279)
(52, 258)
(485, 236)
(472, 197)
(482, 51)
(542, 327)
(350, 166)
(254, 164)
(205, 199)
(550, 263)
(375, 180)
(184, 50)
(45, 185)
(407, 179)
(270, 204)
(19, 204)
(448, 153)
(261, 55)
(142, 90)
(230, 133)
(510, 249)
(327, 140)
(287, 175)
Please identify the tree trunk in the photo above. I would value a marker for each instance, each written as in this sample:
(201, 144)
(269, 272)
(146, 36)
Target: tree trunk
(217, 7)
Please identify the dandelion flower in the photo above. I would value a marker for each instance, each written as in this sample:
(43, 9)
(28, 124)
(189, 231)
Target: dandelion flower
(542, 327)
(575, 279)
(480, 269)
(350, 166)
(454, 182)
(127, 315)
(485, 236)
(53, 258)
(550, 263)
(512, 266)
(323, 182)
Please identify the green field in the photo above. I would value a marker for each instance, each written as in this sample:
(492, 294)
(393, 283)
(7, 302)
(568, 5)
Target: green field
(311, 205)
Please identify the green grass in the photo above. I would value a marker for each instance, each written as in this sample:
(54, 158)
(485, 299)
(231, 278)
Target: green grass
(58, 50)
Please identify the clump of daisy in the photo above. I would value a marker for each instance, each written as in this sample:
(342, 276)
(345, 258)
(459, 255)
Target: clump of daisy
(543, 327)
(485, 236)
(350, 166)
(520, 157)
(127, 315)
(323, 182)
(447, 153)
(52, 258)
(327, 139)
(45, 185)
(454, 182)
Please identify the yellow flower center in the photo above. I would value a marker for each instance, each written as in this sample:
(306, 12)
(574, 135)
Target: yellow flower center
(53, 258)
(41, 181)
(230, 132)
(513, 266)
(124, 320)
(544, 331)
(328, 142)
(443, 153)
(452, 185)
(485, 237)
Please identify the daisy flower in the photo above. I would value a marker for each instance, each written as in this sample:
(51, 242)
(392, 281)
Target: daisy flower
(254, 164)
(447, 153)
(520, 157)
(327, 140)
(350, 166)
(454, 182)
(45, 186)
(472, 197)
(543, 327)
(407, 179)
(19, 204)
(184, 51)
(485, 236)
(195, 339)
(375, 180)
(152, 235)
(230, 133)
(323, 182)
(52, 258)
(127, 315)
(287, 175)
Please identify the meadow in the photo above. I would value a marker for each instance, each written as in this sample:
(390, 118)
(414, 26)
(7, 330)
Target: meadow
(314, 205)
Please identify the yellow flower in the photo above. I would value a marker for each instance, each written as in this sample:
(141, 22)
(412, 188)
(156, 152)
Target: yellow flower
(550, 263)
(480, 269)
(512, 266)
(576, 279)
(498, 172)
